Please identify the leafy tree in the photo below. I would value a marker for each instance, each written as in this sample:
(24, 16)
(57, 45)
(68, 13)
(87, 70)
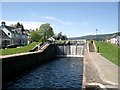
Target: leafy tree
(22, 28)
(59, 36)
(62, 37)
(36, 29)
(18, 25)
(35, 36)
(13, 25)
(46, 31)
(49, 32)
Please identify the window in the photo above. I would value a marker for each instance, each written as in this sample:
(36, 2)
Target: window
(8, 33)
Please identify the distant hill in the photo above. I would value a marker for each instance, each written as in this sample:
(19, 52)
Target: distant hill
(95, 37)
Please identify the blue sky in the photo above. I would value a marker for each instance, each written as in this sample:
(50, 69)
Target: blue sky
(72, 19)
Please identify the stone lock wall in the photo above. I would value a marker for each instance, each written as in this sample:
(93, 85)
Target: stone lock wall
(18, 63)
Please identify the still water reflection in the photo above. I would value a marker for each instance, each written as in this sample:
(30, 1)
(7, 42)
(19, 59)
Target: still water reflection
(59, 73)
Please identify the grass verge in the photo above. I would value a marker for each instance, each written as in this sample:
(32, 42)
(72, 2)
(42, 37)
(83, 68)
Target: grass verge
(109, 51)
(18, 50)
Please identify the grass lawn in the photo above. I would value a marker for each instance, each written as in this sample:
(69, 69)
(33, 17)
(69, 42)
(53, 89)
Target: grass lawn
(18, 50)
(109, 51)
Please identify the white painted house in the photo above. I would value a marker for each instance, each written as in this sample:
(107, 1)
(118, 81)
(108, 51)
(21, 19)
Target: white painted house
(10, 35)
(115, 39)
(4, 39)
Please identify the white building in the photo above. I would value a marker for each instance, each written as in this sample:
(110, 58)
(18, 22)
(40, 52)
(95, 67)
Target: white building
(10, 35)
(115, 39)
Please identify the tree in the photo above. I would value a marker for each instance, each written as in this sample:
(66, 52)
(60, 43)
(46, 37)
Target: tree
(13, 25)
(36, 29)
(59, 36)
(46, 31)
(64, 37)
(18, 25)
(22, 28)
(35, 36)
(49, 32)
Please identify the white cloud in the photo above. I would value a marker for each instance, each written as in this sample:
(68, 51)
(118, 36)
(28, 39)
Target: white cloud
(52, 18)
(27, 24)
(31, 25)
(58, 20)
(49, 17)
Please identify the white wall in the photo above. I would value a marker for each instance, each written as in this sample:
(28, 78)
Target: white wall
(113, 40)
(118, 40)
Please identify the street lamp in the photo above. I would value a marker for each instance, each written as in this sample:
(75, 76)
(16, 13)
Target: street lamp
(96, 33)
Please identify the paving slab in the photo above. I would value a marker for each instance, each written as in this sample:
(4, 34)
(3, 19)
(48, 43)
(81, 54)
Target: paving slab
(101, 70)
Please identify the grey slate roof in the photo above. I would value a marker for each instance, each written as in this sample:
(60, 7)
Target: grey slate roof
(9, 28)
(3, 35)
(14, 30)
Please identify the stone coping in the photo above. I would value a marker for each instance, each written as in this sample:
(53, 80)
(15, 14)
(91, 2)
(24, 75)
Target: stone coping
(26, 53)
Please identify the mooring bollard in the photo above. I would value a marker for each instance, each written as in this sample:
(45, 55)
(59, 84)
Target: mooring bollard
(92, 41)
(98, 49)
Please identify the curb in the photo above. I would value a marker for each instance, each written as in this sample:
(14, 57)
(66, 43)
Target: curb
(84, 77)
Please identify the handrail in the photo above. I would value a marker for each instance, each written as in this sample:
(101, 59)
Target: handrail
(36, 47)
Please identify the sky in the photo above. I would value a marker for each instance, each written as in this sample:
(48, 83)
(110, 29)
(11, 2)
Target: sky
(73, 19)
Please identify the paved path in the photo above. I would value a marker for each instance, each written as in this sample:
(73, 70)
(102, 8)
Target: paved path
(101, 70)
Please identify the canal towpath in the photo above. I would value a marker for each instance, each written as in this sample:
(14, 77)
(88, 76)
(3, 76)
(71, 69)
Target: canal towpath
(100, 70)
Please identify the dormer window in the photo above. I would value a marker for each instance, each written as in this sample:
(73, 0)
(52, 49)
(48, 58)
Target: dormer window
(8, 33)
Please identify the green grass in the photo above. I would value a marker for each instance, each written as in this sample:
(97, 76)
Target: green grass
(109, 51)
(18, 50)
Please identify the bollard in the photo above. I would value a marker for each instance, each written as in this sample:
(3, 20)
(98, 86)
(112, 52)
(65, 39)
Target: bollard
(98, 49)
(92, 41)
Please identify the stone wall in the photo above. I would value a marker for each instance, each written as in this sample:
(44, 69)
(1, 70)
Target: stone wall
(15, 64)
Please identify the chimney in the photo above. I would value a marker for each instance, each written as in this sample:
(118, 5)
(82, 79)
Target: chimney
(3, 24)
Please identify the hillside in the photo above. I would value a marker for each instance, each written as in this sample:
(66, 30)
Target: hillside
(96, 37)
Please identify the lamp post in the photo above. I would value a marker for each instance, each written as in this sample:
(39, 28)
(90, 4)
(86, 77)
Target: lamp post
(96, 33)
